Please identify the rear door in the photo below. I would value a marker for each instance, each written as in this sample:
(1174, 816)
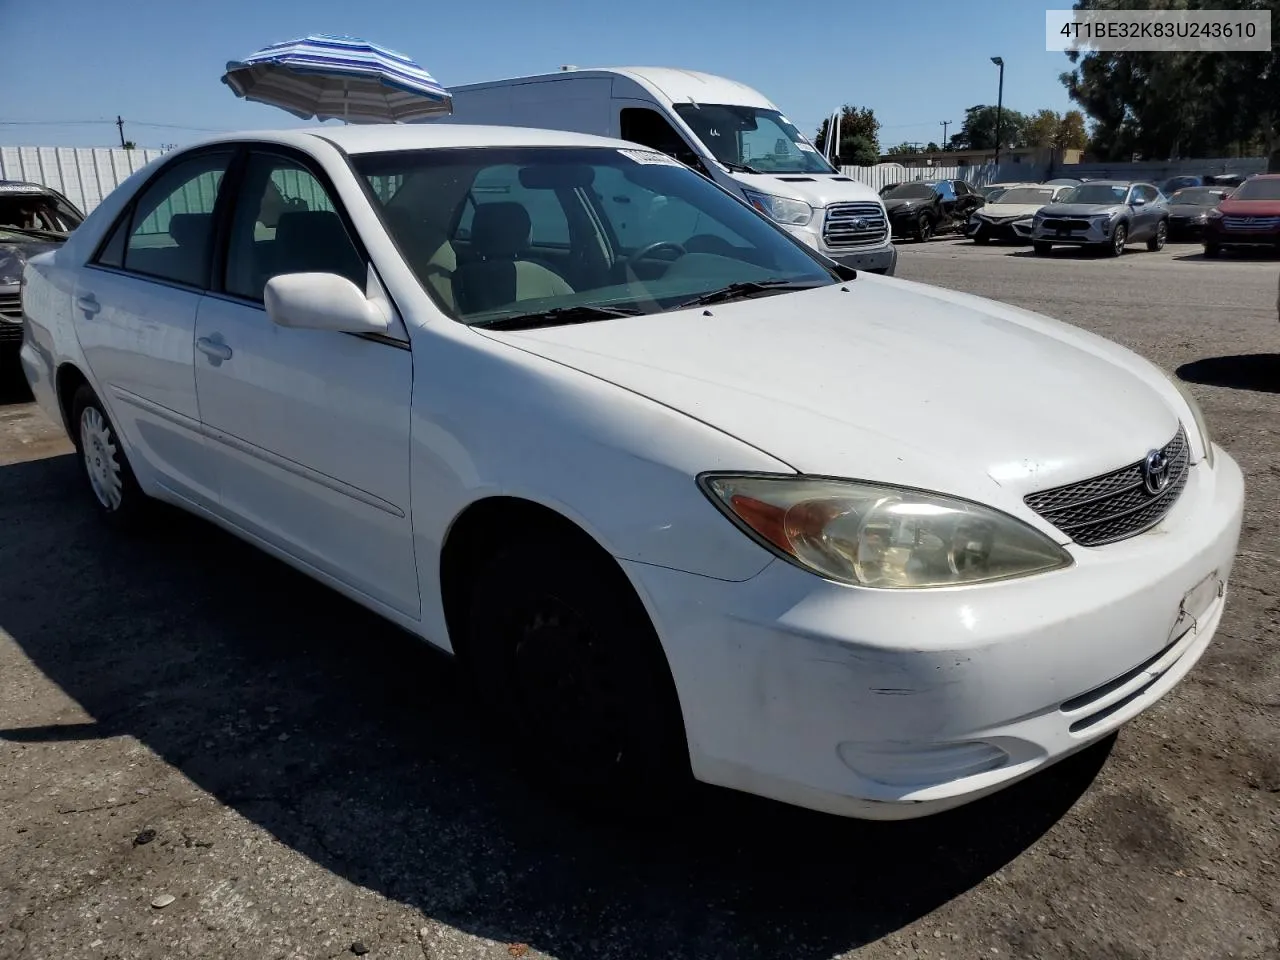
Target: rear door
(135, 313)
(311, 427)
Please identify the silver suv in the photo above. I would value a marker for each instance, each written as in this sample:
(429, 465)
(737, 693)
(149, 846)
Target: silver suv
(1106, 214)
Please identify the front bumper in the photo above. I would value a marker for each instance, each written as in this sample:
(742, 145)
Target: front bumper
(880, 257)
(1216, 233)
(1073, 230)
(890, 705)
(1185, 228)
(1007, 230)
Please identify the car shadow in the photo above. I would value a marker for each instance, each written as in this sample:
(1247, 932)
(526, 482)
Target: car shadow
(13, 382)
(1251, 371)
(209, 652)
(1246, 255)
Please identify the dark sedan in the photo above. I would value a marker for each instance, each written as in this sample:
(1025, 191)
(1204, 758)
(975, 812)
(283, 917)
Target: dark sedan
(33, 219)
(1189, 209)
(928, 207)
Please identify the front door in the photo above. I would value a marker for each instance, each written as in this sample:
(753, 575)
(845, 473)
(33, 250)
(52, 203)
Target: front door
(135, 315)
(312, 426)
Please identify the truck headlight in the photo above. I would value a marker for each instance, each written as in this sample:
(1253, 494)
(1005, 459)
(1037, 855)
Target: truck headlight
(795, 213)
(878, 535)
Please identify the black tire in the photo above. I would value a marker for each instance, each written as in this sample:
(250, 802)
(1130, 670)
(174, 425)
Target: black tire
(113, 488)
(981, 239)
(924, 228)
(1211, 251)
(1115, 247)
(1157, 241)
(1042, 247)
(570, 669)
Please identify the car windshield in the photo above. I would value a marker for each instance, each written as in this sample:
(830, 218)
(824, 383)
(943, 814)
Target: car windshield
(1259, 189)
(1097, 193)
(911, 191)
(1199, 196)
(496, 233)
(762, 139)
(36, 211)
(1027, 195)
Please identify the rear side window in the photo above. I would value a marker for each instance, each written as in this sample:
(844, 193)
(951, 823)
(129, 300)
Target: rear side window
(548, 223)
(172, 226)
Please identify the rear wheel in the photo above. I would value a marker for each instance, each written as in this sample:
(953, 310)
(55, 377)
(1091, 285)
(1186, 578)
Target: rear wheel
(572, 672)
(1157, 241)
(1042, 247)
(115, 490)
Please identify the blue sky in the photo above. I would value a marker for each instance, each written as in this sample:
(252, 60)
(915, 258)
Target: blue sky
(916, 62)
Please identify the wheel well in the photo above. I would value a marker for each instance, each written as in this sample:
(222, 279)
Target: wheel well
(69, 379)
(479, 530)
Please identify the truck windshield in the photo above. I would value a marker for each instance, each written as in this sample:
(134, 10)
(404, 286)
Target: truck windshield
(762, 139)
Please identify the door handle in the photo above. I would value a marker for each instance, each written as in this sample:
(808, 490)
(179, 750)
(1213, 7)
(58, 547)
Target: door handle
(88, 303)
(215, 351)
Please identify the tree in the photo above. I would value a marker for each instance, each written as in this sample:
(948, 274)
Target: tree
(1042, 129)
(902, 148)
(1071, 134)
(932, 148)
(859, 136)
(1184, 104)
(978, 131)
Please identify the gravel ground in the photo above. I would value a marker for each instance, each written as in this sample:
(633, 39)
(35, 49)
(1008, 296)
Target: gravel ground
(204, 754)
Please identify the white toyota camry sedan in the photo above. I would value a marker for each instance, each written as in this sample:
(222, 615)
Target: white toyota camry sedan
(687, 498)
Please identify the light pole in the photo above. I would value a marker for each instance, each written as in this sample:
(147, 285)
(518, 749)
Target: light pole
(945, 124)
(999, 62)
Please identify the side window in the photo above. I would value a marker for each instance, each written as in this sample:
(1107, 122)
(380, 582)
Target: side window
(501, 184)
(962, 188)
(172, 224)
(285, 221)
(1151, 193)
(640, 216)
(651, 129)
(112, 253)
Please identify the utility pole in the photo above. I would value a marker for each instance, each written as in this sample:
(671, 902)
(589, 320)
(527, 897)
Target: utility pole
(999, 62)
(120, 126)
(945, 124)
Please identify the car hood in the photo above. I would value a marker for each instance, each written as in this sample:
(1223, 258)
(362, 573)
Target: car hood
(998, 211)
(815, 189)
(1250, 208)
(1079, 209)
(892, 381)
(904, 203)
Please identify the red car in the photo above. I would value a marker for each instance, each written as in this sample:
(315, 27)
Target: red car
(1250, 217)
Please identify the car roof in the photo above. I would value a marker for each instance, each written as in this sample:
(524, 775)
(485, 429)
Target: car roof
(382, 137)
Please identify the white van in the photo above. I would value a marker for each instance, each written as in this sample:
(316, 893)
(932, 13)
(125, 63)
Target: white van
(721, 128)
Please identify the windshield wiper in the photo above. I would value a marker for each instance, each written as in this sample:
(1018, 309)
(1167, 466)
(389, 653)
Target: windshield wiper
(733, 166)
(744, 288)
(556, 317)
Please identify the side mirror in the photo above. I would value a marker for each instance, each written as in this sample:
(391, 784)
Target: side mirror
(1139, 202)
(322, 301)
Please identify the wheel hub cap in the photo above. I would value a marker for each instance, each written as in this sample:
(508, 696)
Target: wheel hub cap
(100, 461)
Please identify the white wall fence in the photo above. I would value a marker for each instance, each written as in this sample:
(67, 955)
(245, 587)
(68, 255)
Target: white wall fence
(86, 175)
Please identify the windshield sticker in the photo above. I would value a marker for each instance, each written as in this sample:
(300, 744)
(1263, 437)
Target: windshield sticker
(650, 156)
(806, 146)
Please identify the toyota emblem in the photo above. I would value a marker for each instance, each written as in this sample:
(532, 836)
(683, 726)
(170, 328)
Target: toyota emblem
(1155, 472)
(860, 223)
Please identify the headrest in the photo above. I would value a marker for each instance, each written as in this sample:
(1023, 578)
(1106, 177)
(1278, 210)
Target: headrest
(190, 229)
(500, 230)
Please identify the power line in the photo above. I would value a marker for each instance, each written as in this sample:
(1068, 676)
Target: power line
(137, 123)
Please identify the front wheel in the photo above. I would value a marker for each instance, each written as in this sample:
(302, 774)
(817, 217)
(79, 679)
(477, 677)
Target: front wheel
(1157, 241)
(119, 499)
(572, 672)
(1118, 240)
(924, 229)
(1042, 247)
(981, 239)
(1211, 251)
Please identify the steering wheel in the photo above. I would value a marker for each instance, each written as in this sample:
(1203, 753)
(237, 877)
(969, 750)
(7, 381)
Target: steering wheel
(646, 252)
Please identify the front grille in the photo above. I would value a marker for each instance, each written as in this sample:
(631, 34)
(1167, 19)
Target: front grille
(1251, 223)
(854, 225)
(11, 307)
(1116, 505)
(1053, 223)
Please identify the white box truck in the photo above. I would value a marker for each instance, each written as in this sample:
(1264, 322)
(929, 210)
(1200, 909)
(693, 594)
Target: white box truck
(723, 129)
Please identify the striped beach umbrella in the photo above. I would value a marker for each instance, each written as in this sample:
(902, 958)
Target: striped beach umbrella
(338, 78)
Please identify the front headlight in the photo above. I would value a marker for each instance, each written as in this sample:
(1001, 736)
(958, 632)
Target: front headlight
(1197, 415)
(794, 212)
(876, 535)
(10, 281)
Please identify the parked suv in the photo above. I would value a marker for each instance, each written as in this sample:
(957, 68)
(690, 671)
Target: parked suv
(32, 219)
(1250, 217)
(927, 207)
(1105, 214)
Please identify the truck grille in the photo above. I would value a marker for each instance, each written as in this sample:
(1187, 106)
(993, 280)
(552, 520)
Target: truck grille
(10, 317)
(1116, 505)
(854, 225)
(1251, 223)
(1065, 224)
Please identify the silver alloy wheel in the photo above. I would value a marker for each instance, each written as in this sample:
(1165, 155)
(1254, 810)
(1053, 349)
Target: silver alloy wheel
(100, 462)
